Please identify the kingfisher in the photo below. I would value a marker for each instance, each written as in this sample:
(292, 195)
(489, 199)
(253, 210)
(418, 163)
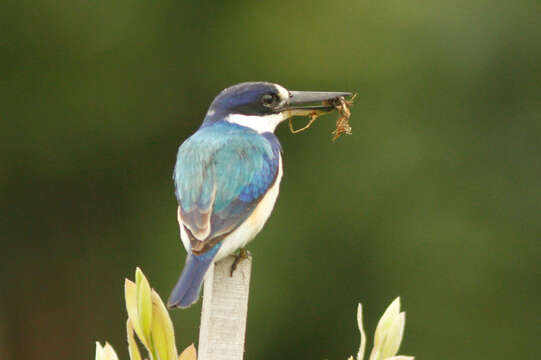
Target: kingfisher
(227, 174)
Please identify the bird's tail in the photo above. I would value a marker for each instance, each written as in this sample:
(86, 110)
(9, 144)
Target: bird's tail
(186, 291)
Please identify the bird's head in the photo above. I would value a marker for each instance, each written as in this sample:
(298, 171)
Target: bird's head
(262, 105)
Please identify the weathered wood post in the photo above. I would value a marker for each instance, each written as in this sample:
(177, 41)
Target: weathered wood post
(225, 309)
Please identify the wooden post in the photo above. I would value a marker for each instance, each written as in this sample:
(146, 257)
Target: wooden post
(225, 308)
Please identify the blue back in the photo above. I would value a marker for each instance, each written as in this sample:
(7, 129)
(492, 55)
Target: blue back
(221, 172)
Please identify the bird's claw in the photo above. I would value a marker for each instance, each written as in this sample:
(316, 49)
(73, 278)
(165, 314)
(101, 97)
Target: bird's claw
(241, 255)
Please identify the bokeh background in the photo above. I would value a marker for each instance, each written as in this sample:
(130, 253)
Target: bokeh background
(436, 196)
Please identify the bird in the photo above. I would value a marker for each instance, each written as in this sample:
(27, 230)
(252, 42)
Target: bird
(227, 174)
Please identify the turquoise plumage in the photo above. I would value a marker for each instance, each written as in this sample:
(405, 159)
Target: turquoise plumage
(220, 173)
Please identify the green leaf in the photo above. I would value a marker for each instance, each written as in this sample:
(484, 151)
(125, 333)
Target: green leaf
(109, 352)
(163, 335)
(386, 321)
(130, 295)
(133, 349)
(144, 303)
(99, 352)
(105, 352)
(360, 354)
(394, 337)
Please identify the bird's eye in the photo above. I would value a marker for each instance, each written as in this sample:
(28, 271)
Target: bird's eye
(270, 100)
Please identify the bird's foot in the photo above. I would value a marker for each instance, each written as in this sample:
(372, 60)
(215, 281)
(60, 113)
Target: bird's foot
(241, 255)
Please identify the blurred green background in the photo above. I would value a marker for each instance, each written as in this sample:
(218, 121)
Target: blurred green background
(436, 196)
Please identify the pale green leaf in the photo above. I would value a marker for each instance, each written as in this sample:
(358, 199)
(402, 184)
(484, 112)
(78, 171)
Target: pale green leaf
(130, 295)
(191, 354)
(133, 349)
(144, 302)
(109, 352)
(105, 352)
(394, 337)
(375, 354)
(386, 321)
(163, 335)
(362, 347)
(99, 352)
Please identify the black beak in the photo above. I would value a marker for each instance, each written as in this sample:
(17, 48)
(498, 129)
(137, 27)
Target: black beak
(304, 102)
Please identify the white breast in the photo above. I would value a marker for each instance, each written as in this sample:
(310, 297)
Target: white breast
(250, 227)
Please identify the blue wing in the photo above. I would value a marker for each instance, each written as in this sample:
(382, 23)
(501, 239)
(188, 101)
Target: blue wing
(220, 174)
